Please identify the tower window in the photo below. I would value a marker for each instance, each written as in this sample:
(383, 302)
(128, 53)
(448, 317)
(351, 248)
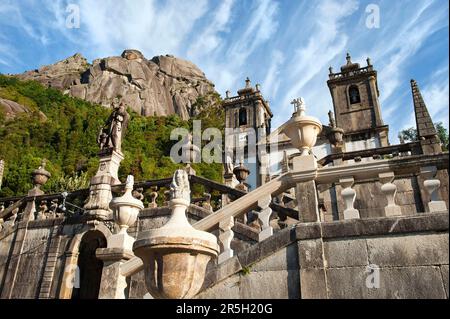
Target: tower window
(353, 93)
(242, 117)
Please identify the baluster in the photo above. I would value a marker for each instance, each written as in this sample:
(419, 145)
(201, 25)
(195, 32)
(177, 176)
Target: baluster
(166, 198)
(264, 217)
(138, 193)
(432, 185)
(349, 195)
(389, 190)
(153, 197)
(207, 203)
(225, 237)
(42, 210)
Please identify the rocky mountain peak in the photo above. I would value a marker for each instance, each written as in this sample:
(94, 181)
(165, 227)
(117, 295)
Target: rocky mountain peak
(161, 86)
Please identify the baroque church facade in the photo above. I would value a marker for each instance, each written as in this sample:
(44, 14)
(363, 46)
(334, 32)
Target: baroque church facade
(335, 212)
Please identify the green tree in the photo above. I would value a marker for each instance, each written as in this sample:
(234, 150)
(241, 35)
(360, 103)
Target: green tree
(410, 134)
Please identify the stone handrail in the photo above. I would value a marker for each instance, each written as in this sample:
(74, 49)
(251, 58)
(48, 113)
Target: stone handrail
(381, 169)
(375, 153)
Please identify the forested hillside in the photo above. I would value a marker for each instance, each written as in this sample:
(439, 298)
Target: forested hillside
(64, 130)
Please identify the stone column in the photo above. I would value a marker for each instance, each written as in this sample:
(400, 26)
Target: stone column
(432, 185)
(264, 217)
(69, 275)
(100, 194)
(113, 284)
(390, 190)
(306, 192)
(228, 181)
(225, 237)
(349, 195)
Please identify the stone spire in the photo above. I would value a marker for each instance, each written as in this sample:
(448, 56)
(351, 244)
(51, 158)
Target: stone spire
(425, 126)
(426, 132)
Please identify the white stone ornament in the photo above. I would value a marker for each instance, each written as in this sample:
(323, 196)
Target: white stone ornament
(302, 129)
(175, 256)
(125, 211)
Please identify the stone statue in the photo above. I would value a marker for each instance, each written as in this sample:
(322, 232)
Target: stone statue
(180, 189)
(111, 135)
(229, 165)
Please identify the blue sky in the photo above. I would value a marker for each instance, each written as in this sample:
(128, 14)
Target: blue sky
(286, 45)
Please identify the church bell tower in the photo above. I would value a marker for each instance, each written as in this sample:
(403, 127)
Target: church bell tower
(247, 121)
(356, 103)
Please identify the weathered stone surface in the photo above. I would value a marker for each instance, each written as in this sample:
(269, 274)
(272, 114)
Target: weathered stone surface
(284, 259)
(444, 273)
(227, 289)
(346, 253)
(282, 284)
(395, 283)
(313, 283)
(429, 249)
(164, 85)
(136, 285)
(310, 253)
(215, 273)
(267, 247)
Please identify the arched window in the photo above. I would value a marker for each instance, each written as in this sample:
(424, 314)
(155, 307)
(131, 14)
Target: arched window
(353, 93)
(242, 117)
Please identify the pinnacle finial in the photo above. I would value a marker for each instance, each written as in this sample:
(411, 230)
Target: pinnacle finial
(330, 69)
(130, 182)
(247, 83)
(299, 106)
(368, 61)
(348, 58)
(331, 119)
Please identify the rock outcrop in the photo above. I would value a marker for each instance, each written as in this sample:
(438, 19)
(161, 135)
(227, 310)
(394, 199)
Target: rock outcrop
(164, 85)
(11, 109)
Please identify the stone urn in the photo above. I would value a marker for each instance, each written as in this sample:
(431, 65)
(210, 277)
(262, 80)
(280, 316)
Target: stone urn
(335, 136)
(40, 176)
(125, 211)
(302, 129)
(175, 256)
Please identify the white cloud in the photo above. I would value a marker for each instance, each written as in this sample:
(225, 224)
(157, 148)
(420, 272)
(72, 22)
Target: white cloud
(210, 39)
(314, 52)
(272, 80)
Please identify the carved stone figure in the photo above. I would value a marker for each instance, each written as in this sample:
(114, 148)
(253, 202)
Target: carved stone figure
(229, 165)
(180, 189)
(111, 135)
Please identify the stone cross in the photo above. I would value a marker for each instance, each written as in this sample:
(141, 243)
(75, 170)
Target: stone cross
(299, 106)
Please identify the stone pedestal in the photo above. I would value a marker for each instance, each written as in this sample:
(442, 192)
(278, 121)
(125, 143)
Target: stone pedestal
(113, 285)
(100, 194)
(109, 165)
(306, 192)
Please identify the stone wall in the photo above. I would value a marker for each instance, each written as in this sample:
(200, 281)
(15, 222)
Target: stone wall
(331, 260)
